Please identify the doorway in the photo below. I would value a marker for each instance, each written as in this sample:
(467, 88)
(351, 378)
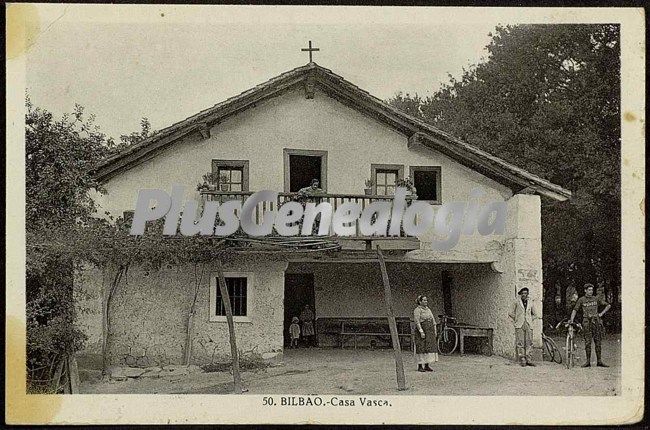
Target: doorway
(301, 166)
(298, 292)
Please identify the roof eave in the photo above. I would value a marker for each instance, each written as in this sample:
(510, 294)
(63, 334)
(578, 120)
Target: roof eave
(336, 86)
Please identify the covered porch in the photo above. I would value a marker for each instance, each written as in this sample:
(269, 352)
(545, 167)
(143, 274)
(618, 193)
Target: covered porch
(347, 296)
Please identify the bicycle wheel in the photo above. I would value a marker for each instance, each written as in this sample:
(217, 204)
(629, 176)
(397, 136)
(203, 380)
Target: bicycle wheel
(447, 341)
(547, 351)
(555, 353)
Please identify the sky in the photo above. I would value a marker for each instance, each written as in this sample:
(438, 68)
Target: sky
(166, 63)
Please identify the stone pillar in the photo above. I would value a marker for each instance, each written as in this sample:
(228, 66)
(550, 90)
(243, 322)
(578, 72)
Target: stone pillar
(522, 256)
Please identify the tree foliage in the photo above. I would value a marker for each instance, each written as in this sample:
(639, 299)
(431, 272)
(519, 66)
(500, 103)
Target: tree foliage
(547, 99)
(59, 155)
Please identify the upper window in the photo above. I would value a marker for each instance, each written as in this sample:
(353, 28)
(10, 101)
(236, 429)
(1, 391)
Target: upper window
(239, 293)
(385, 181)
(302, 166)
(426, 180)
(385, 177)
(232, 174)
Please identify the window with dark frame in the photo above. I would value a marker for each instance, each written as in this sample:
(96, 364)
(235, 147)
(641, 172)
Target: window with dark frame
(232, 175)
(385, 181)
(426, 180)
(237, 290)
(385, 177)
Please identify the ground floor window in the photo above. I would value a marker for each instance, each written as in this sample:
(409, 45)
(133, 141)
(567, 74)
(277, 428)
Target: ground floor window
(239, 285)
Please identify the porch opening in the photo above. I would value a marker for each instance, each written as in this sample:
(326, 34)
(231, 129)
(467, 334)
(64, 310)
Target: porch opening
(351, 312)
(298, 292)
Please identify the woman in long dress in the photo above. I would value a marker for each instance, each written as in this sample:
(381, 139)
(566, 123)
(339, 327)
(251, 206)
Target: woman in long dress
(426, 349)
(308, 332)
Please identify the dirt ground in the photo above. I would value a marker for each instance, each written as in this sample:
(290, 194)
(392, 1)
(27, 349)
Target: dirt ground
(336, 371)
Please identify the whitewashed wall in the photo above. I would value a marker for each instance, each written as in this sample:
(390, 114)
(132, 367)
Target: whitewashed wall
(353, 141)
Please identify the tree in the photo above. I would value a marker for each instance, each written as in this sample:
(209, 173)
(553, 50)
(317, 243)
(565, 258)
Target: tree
(547, 98)
(127, 140)
(59, 156)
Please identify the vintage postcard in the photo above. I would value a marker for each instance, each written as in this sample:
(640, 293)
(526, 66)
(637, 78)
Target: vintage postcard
(350, 215)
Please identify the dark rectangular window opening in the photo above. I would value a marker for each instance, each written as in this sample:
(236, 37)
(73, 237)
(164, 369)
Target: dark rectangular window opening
(301, 166)
(426, 180)
(237, 290)
(302, 169)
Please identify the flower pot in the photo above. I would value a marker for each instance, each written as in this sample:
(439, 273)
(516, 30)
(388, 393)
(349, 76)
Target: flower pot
(368, 191)
(212, 187)
(225, 187)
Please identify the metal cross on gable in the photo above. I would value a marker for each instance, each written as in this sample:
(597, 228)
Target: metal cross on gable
(310, 50)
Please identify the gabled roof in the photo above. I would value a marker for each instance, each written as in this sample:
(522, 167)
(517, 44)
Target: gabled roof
(311, 76)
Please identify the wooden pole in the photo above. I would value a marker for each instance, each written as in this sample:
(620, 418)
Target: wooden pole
(106, 329)
(190, 318)
(225, 297)
(399, 364)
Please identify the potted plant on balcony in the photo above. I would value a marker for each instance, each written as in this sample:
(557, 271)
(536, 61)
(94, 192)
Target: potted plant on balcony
(223, 183)
(208, 183)
(410, 187)
(369, 184)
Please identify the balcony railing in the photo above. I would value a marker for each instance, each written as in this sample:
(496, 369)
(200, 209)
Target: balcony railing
(335, 200)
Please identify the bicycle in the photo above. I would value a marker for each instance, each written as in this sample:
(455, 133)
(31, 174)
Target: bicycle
(448, 336)
(550, 349)
(571, 349)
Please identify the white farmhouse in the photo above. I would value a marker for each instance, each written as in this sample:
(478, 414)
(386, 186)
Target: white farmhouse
(304, 124)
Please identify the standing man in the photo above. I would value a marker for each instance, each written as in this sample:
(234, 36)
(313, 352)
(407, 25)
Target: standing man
(592, 327)
(522, 313)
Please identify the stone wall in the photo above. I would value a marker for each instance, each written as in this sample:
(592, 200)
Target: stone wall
(151, 308)
(483, 293)
(480, 297)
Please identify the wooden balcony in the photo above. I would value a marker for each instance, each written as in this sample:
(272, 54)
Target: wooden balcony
(336, 200)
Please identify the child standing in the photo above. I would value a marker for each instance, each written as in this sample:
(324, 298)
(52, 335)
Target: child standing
(294, 332)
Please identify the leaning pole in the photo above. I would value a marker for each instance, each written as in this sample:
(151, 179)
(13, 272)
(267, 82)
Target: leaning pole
(225, 298)
(399, 364)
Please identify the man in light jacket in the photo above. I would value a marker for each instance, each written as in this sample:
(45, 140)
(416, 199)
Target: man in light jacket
(522, 312)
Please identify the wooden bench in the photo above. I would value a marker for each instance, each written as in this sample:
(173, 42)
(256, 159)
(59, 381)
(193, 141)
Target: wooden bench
(374, 327)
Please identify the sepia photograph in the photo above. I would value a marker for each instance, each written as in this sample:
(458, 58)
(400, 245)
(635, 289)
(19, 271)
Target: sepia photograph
(324, 214)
